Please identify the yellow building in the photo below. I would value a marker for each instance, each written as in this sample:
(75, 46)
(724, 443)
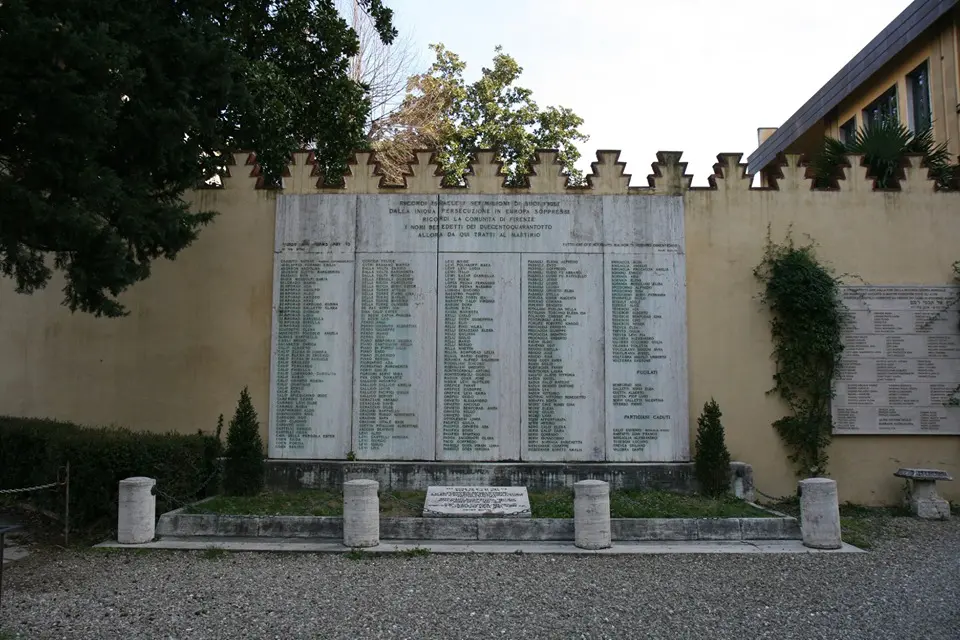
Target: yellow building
(909, 70)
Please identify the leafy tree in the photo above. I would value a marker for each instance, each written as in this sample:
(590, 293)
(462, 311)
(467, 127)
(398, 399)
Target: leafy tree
(110, 110)
(712, 460)
(442, 111)
(884, 143)
(243, 467)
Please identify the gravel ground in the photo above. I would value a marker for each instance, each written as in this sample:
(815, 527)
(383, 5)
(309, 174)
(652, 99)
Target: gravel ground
(907, 586)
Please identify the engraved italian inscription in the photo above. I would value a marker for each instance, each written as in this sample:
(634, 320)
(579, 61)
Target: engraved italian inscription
(512, 224)
(502, 327)
(479, 347)
(900, 367)
(645, 357)
(562, 357)
(314, 325)
(311, 365)
(395, 355)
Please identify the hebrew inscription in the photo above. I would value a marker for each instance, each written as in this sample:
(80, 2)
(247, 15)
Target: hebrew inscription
(900, 368)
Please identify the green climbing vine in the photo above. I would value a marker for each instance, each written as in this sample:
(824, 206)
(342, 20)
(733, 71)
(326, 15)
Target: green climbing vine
(806, 326)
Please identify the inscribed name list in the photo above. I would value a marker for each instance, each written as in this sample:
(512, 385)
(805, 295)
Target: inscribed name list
(645, 330)
(562, 372)
(478, 406)
(313, 328)
(900, 367)
(395, 356)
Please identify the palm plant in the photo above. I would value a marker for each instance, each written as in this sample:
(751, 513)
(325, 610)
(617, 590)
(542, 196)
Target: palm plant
(883, 143)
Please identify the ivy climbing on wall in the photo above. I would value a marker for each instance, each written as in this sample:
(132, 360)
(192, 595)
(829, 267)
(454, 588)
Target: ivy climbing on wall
(806, 324)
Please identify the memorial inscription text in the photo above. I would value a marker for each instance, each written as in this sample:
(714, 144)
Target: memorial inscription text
(900, 367)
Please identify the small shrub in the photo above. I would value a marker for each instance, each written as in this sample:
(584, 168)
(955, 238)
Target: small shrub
(244, 467)
(712, 460)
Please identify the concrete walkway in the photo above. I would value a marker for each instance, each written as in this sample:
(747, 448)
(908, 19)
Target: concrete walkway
(496, 547)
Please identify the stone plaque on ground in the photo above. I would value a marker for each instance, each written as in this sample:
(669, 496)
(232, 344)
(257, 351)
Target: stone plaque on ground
(476, 502)
(900, 367)
(480, 328)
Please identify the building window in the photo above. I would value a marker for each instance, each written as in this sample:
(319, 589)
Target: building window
(883, 107)
(918, 98)
(848, 131)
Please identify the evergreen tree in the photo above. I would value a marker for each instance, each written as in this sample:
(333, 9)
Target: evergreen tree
(111, 110)
(712, 460)
(244, 466)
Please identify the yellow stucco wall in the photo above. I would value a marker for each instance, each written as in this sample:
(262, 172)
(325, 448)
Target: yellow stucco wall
(199, 328)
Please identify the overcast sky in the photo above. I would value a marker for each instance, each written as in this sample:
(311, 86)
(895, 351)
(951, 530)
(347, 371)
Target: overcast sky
(698, 76)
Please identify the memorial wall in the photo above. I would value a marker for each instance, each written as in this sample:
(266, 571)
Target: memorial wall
(479, 328)
(900, 369)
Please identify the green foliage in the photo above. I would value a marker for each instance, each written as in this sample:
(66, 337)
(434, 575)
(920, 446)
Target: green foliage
(806, 326)
(712, 460)
(111, 110)
(214, 553)
(358, 554)
(442, 111)
(33, 452)
(244, 467)
(884, 143)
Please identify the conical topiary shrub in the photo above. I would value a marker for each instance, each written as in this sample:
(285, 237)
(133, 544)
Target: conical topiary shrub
(712, 460)
(243, 468)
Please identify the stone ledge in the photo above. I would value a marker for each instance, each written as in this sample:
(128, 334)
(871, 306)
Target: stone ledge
(293, 475)
(176, 524)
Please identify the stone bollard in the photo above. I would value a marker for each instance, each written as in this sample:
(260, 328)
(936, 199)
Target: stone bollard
(137, 513)
(820, 513)
(361, 513)
(591, 514)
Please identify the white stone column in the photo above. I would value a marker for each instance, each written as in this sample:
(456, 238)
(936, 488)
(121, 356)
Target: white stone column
(820, 513)
(361, 513)
(591, 514)
(137, 513)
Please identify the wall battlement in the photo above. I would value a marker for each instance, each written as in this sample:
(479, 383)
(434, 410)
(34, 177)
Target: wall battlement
(608, 176)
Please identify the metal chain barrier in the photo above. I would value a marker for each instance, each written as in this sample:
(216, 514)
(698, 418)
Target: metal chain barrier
(186, 502)
(412, 505)
(38, 487)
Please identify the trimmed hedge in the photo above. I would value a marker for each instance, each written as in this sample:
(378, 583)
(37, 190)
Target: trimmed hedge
(32, 450)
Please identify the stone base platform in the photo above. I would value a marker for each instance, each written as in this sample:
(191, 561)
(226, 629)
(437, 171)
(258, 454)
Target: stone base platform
(472, 547)
(292, 475)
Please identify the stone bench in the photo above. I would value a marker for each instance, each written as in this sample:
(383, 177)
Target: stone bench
(922, 497)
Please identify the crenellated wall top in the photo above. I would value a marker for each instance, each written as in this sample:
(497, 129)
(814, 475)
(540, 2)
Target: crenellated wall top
(608, 175)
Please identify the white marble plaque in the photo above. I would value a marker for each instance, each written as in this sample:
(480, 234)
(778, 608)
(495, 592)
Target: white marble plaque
(562, 374)
(312, 360)
(541, 223)
(476, 502)
(311, 365)
(322, 226)
(505, 327)
(900, 368)
(394, 399)
(478, 414)
(401, 222)
(643, 224)
(646, 358)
